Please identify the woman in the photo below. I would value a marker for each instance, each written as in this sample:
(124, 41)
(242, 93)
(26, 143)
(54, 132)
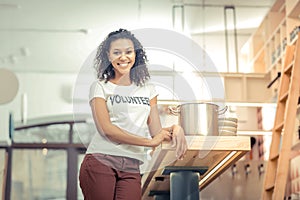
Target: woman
(124, 106)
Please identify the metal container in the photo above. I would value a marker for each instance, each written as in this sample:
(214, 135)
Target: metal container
(199, 118)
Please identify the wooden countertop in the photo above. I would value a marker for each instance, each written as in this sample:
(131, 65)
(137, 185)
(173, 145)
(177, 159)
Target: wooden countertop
(216, 152)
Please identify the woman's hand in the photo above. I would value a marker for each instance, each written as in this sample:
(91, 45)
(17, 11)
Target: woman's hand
(163, 135)
(178, 139)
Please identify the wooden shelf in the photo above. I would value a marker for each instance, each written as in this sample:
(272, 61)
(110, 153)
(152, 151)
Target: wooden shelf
(274, 31)
(259, 52)
(294, 41)
(278, 6)
(293, 8)
(276, 62)
(216, 152)
(243, 87)
(296, 146)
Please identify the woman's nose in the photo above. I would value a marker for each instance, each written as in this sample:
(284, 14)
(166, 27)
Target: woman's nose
(123, 56)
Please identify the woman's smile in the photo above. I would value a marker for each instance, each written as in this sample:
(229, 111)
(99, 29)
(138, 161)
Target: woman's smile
(123, 64)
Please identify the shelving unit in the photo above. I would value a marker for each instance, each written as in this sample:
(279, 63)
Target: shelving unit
(266, 47)
(244, 87)
(296, 140)
(284, 126)
(296, 146)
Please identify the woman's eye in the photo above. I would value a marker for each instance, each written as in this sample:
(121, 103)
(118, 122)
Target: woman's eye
(116, 53)
(129, 52)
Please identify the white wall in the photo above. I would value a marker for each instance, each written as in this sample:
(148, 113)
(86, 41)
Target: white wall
(47, 94)
(59, 35)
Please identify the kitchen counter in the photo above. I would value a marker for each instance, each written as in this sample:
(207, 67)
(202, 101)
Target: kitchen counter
(209, 155)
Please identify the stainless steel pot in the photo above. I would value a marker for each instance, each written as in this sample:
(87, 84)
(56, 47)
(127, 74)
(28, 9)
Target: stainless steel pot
(199, 118)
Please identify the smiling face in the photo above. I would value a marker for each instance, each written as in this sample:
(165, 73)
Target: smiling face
(122, 57)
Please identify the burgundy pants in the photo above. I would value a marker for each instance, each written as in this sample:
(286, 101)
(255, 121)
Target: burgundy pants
(105, 177)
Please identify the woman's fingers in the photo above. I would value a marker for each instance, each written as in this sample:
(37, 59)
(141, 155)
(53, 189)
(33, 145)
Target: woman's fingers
(181, 148)
(163, 135)
(180, 142)
(175, 144)
(167, 135)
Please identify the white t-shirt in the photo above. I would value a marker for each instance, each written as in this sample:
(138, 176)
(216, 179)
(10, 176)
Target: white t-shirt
(128, 108)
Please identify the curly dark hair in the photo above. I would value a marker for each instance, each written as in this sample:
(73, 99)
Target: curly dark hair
(139, 72)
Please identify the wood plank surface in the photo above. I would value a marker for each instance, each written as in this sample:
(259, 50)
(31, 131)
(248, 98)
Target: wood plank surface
(215, 152)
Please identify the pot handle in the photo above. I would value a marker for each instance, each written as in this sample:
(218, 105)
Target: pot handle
(175, 110)
(223, 110)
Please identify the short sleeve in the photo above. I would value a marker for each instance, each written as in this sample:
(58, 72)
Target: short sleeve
(153, 91)
(96, 90)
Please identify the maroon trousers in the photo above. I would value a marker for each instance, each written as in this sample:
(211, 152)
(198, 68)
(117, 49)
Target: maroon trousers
(105, 177)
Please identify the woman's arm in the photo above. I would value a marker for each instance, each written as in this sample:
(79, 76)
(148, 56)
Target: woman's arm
(115, 134)
(154, 123)
(177, 133)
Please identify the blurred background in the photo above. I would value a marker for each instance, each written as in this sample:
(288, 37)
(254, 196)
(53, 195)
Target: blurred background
(45, 46)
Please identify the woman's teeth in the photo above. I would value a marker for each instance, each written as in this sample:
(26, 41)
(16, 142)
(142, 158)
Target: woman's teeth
(123, 64)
